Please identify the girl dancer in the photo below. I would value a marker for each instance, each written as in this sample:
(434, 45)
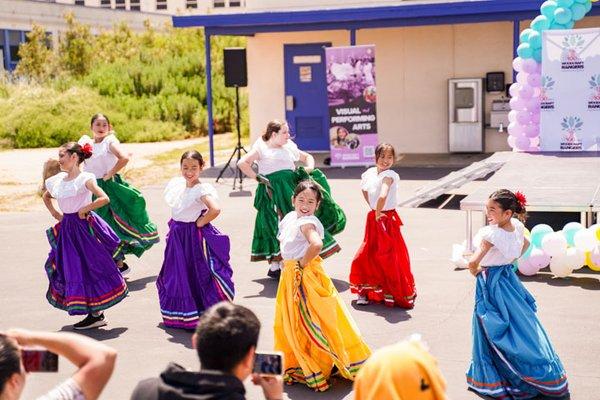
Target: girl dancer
(195, 273)
(381, 268)
(313, 328)
(512, 355)
(83, 276)
(126, 213)
(277, 175)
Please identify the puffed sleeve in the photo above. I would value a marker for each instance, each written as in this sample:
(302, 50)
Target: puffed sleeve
(390, 174)
(83, 178)
(312, 220)
(51, 183)
(366, 179)
(292, 148)
(485, 233)
(173, 191)
(110, 139)
(206, 189)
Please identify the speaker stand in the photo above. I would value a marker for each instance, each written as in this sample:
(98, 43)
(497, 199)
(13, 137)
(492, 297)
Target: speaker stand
(237, 152)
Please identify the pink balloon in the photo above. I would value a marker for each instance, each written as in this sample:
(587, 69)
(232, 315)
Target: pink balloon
(535, 142)
(522, 143)
(528, 65)
(511, 141)
(535, 116)
(517, 64)
(525, 92)
(595, 256)
(515, 129)
(526, 268)
(523, 117)
(538, 258)
(517, 103)
(514, 89)
(538, 68)
(534, 80)
(532, 103)
(512, 115)
(522, 78)
(532, 130)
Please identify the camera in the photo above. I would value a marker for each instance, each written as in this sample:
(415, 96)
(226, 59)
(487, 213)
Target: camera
(268, 363)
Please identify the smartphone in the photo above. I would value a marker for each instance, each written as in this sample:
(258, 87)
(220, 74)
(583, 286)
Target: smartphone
(268, 363)
(39, 360)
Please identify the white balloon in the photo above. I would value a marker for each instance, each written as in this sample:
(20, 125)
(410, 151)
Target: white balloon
(554, 244)
(560, 266)
(457, 258)
(585, 240)
(575, 258)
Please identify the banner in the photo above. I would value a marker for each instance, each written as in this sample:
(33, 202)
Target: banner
(351, 97)
(570, 92)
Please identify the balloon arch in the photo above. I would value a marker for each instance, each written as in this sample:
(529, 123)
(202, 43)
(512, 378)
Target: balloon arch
(527, 92)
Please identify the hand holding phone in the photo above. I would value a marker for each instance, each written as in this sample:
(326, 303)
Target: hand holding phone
(268, 363)
(39, 360)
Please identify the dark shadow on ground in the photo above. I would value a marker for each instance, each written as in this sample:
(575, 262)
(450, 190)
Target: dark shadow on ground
(338, 390)
(180, 336)
(99, 334)
(340, 285)
(390, 314)
(269, 289)
(141, 283)
(586, 283)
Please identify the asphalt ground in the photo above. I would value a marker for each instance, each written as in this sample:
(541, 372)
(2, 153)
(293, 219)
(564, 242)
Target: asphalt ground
(568, 308)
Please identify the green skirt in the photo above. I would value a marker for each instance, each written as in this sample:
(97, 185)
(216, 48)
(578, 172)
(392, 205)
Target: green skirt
(273, 205)
(126, 214)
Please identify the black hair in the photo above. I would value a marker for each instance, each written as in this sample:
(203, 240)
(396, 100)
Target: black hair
(273, 126)
(98, 116)
(192, 154)
(76, 148)
(508, 201)
(308, 184)
(382, 147)
(225, 334)
(10, 360)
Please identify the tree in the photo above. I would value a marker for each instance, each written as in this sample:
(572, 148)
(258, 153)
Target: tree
(36, 58)
(76, 47)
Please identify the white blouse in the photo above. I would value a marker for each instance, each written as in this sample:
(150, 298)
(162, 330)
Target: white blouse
(507, 245)
(185, 202)
(71, 195)
(371, 183)
(273, 159)
(293, 244)
(102, 159)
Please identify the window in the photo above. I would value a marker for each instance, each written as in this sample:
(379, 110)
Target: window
(218, 3)
(161, 4)
(120, 4)
(80, 2)
(105, 3)
(134, 5)
(14, 40)
(191, 3)
(235, 3)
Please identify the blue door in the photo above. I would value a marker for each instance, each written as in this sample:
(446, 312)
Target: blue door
(306, 95)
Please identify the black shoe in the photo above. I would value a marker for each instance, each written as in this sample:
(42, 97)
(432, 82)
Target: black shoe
(124, 269)
(275, 274)
(90, 322)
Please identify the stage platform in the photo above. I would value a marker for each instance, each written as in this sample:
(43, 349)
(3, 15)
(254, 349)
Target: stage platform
(552, 182)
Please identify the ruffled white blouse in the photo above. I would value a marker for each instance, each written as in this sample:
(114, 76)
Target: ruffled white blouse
(371, 183)
(71, 195)
(185, 202)
(273, 159)
(102, 159)
(507, 245)
(293, 244)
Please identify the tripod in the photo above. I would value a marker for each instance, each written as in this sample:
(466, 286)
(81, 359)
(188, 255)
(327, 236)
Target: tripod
(237, 151)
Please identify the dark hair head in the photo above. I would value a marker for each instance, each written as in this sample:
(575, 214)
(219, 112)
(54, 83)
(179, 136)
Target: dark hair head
(76, 148)
(308, 184)
(192, 154)
(382, 148)
(508, 201)
(273, 126)
(10, 360)
(225, 334)
(98, 116)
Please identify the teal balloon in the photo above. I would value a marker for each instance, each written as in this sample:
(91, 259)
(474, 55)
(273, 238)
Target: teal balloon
(582, 1)
(537, 55)
(564, 3)
(540, 23)
(570, 25)
(556, 25)
(569, 230)
(524, 50)
(537, 234)
(535, 40)
(563, 15)
(524, 36)
(515, 265)
(588, 6)
(547, 8)
(578, 11)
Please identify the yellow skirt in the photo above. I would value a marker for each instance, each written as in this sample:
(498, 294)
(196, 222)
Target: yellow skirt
(314, 329)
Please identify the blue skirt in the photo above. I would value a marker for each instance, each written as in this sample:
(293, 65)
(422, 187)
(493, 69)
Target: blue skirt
(512, 355)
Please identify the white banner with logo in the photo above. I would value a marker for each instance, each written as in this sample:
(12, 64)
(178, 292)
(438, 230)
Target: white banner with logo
(570, 98)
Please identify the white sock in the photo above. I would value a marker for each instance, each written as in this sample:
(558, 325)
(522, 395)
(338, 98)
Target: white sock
(274, 266)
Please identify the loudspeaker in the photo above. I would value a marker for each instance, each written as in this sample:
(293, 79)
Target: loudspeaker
(234, 60)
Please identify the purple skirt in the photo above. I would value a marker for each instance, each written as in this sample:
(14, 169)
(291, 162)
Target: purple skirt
(83, 275)
(195, 273)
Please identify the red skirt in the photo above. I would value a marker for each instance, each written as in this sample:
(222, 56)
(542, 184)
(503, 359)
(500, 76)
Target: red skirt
(381, 268)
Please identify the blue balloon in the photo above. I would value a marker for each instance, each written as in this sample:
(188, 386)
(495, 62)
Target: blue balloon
(564, 3)
(556, 25)
(563, 15)
(548, 7)
(524, 50)
(524, 36)
(578, 11)
(535, 40)
(537, 55)
(588, 6)
(569, 230)
(537, 234)
(540, 23)
(570, 25)
(582, 1)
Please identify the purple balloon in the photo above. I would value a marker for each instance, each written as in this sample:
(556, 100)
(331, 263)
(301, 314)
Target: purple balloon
(534, 80)
(595, 256)
(522, 143)
(525, 92)
(514, 89)
(531, 130)
(517, 103)
(528, 65)
(532, 104)
(515, 129)
(522, 77)
(523, 117)
(535, 117)
(526, 268)
(517, 63)
(512, 115)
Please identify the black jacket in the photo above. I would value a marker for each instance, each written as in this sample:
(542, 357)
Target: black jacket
(175, 383)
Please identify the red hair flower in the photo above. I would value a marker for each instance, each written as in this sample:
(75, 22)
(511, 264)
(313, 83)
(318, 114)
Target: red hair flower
(521, 199)
(87, 149)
